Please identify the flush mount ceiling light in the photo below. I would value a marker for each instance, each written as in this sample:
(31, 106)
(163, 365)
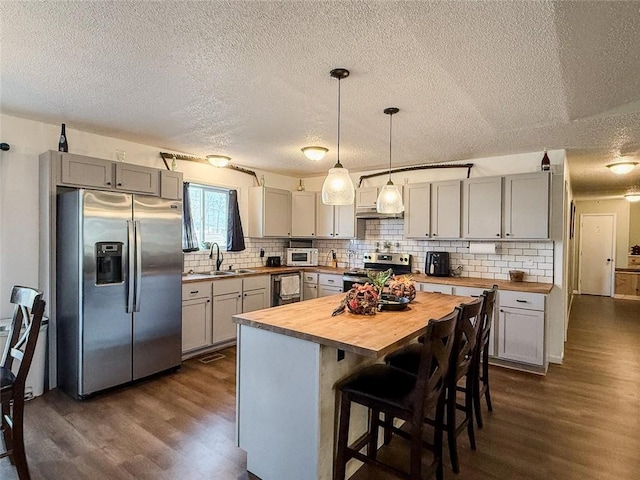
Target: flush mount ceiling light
(314, 153)
(390, 198)
(622, 167)
(633, 195)
(218, 160)
(338, 188)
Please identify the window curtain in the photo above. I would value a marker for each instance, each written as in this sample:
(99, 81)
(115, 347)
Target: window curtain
(235, 236)
(189, 237)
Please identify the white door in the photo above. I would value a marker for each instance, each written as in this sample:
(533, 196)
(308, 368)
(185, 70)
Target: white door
(596, 253)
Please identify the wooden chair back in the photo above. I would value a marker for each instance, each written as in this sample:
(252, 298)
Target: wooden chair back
(435, 358)
(467, 331)
(23, 333)
(487, 315)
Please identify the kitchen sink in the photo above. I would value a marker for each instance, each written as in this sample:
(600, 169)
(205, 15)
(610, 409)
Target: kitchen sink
(220, 273)
(242, 270)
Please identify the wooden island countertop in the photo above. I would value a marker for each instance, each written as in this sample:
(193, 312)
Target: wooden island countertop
(371, 336)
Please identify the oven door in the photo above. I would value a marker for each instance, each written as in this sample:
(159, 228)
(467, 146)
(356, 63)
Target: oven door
(349, 280)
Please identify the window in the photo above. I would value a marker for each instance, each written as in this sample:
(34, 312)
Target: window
(209, 209)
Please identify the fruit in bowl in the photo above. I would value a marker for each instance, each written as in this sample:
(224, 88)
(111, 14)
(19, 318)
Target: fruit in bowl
(403, 286)
(362, 299)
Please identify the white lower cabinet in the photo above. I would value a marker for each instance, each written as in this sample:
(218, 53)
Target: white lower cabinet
(309, 285)
(521, 327)
(329, 284)
(255, 293)
(196, 316)
(227, 302)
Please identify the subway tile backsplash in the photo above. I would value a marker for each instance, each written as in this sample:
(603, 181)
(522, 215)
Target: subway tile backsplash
(534, 258)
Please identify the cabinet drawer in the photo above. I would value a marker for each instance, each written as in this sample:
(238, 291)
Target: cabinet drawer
(330, 280)
(231, 285)
(436, 288)
(196, 290)
(529, 301)
(310, 277)
(468, 291)
(255, 283)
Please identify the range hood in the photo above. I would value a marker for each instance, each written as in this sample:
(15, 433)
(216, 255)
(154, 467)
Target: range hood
(370, 212)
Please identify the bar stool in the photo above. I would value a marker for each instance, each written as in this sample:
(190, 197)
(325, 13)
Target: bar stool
(27, 315)
(461, 370)
(481, 385)
(399, 394)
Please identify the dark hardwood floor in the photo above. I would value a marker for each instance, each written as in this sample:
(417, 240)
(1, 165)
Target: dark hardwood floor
(581, 421)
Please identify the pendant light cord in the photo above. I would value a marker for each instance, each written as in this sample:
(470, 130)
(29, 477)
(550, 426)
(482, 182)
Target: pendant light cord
(390, 129)
(338, 149)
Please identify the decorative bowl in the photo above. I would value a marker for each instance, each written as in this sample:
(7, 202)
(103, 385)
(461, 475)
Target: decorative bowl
(391, 302)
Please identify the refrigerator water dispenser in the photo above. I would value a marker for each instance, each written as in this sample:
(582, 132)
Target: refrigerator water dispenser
(108, 263)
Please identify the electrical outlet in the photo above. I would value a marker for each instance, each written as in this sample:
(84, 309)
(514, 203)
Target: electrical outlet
(529, 263)
(262, 253)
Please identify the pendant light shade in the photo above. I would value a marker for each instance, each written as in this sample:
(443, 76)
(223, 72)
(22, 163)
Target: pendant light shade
(338, 188)
(390, 198)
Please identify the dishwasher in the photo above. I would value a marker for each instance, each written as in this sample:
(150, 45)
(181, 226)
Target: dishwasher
(285, 288)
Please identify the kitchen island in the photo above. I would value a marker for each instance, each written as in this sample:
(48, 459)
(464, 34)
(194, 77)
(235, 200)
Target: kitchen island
(289, 359)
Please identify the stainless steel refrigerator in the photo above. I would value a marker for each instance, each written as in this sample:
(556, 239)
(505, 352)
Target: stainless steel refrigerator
(119, 267)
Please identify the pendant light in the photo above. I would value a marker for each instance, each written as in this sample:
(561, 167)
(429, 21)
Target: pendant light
(338, 188)
(390, 198)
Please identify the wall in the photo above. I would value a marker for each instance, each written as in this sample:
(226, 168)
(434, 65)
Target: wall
(19, 204)
(634, 224)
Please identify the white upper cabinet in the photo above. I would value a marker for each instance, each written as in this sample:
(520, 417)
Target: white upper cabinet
(482, 207)
(334, 221)
(445, 209)
(526, 205)
(136, 178)
(303, 214)
(82, 171)
(366, 197)
(417, 204)
(269, 212)
(171, 185)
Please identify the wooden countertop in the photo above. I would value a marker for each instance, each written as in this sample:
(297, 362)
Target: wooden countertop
(531, 287)
(628, 270)
(371, 336)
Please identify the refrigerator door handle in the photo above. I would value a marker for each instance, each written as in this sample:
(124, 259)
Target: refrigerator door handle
(131, 265)
(136, 300)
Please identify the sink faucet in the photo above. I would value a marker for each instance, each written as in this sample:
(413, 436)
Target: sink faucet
(219, 256)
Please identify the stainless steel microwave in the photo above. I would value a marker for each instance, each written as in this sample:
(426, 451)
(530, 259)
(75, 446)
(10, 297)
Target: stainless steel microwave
(302, 257)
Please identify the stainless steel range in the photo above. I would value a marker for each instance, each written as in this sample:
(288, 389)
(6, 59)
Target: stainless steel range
(400, 263)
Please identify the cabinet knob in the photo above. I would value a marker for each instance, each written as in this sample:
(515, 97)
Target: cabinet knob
(208, 301)
(507, 234)
(119, 184)
(108, 183)
(435, 234)
(497, 234)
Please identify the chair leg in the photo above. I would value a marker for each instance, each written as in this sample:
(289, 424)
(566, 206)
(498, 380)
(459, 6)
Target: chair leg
(485, 379)
(18, 441)
(415, 468)
(477, 398)
(387, 431)
(372, 449)
(7, 433)
(437, 440)
(468, 409)
(451, 429)
(343, 438)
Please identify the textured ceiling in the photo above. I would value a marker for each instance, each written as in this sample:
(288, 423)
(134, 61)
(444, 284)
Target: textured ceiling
(251, 79)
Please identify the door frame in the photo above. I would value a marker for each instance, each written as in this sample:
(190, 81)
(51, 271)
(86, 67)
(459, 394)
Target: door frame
(613, 249)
